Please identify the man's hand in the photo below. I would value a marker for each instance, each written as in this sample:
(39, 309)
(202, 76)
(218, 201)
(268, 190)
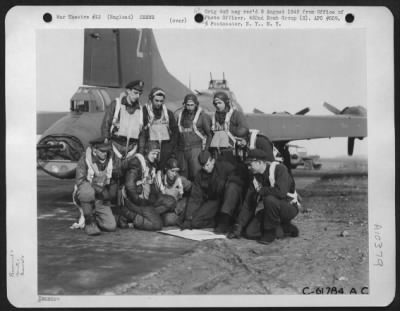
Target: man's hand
(235, 233)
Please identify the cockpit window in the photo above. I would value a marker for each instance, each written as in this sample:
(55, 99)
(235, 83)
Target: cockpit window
(80, 105)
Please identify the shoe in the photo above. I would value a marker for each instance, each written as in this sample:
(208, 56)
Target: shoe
(290, 230)
(122, 222)
(279, 233)
(268, 237)
(91, 227)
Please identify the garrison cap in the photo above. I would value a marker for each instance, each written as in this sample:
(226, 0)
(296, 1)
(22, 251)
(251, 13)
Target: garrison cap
(191, 97)
(156, 91)
(257, 155)
(221, 96)
(172, 164)
(203, 157)
(99, 143)
(137, 85)
(152, 146)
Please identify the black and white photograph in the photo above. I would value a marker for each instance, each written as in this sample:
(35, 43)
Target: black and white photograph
(230, 156)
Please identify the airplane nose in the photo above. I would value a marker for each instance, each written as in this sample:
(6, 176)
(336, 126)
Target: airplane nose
(58, 155)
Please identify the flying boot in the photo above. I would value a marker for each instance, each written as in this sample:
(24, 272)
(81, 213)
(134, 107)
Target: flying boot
(125, 217)
(290, 230)
(91, 227)
(223, 226)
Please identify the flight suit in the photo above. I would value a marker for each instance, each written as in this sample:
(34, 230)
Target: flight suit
(226, 126)
(161, 128)
(212, 193)
(143, 205)
(267, 207)
(92, 190)
(179, 188)
(126, 132)
(190, 143)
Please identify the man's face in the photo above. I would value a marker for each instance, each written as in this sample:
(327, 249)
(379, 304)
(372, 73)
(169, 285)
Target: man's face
(190, 105)
(152, 156)
(157, 101)
(171, 174)
(241, 142)
(219, 104)
(209, 166)
(102, 155)
(255, 167)
(134, 95)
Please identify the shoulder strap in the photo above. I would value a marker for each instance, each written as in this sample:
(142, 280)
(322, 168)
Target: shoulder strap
(253, 137)
(179, 121)
(196, 130)
(117, 110)
(272, 168)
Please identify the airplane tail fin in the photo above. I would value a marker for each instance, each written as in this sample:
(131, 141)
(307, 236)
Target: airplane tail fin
(114, 57)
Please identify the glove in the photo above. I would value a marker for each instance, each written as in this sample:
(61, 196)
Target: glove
(235, 233)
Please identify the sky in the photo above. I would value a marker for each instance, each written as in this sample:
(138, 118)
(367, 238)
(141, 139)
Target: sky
(272, 70)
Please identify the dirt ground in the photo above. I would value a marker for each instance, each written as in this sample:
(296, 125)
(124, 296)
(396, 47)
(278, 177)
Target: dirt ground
(331, 252)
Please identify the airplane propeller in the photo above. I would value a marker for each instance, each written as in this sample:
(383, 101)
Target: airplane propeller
(331, 108)
(303, 111)
(355, 111)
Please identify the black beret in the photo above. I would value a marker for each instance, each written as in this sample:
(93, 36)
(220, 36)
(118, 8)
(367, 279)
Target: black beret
(137, 85)
(203, 157)
(99, 143)
(256, 155)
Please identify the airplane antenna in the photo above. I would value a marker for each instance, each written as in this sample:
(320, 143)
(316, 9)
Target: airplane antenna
(210, 76)
(223, 76)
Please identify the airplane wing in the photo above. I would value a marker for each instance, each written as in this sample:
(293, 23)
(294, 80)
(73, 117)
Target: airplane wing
(45, 119)
(287, 127)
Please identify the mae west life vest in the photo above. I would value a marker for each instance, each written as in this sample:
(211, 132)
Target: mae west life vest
(94, 175)
(158, 129)
(271, 176)
(194, 126)
(148, 176)
(222, 136)
(130, 125)
(175, 190)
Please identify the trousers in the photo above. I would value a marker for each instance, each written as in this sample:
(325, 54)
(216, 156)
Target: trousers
(188, 160)
(150, 217)
(91, 200)
(274, 213)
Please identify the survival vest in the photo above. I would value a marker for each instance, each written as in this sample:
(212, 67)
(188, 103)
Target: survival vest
(158, 129)
(222, 129)
(271, 176)
(175, 190)
(94, 175)
(147, 176)
(194, 126)
(130, 125)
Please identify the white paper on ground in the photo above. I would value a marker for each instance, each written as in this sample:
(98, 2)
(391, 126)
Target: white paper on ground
(194, 234)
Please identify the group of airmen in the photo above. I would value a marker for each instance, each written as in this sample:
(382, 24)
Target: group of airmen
(190, 170)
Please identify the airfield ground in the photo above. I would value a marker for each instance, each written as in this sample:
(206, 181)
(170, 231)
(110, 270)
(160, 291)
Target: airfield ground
(331, 251)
